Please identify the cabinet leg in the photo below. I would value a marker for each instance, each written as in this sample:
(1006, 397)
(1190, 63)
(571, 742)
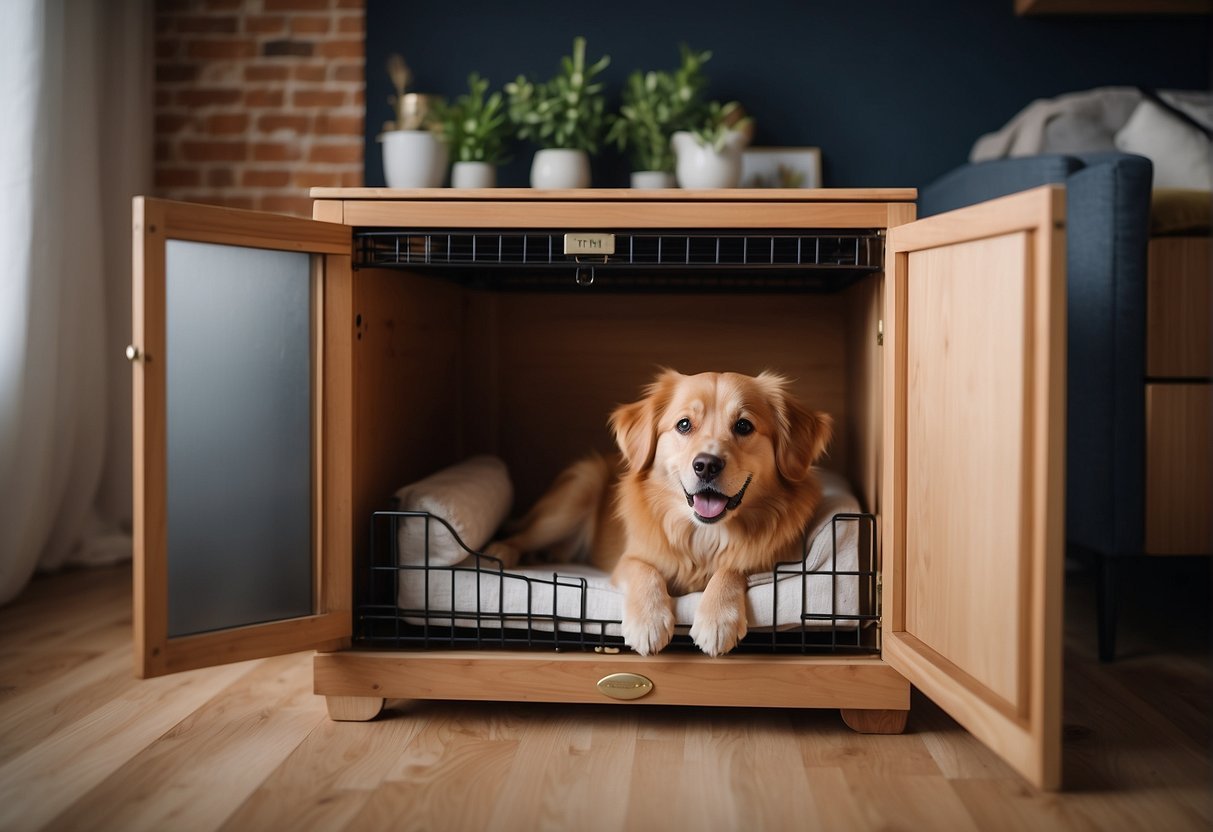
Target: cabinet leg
(875, 721)
(353, 708)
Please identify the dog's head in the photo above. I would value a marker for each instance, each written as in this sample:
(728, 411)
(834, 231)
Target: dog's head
(714, 438)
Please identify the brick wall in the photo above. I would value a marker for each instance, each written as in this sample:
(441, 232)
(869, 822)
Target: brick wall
(258, 100)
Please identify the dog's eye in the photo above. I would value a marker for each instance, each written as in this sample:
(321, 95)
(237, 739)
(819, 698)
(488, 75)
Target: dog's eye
(683, 426)
(744, 427)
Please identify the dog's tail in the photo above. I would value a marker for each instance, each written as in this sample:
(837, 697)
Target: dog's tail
(565, 522)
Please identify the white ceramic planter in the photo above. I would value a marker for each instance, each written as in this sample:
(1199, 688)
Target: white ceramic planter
(653, 179)
(558, 167)
(699, 166)
(473, 175)
(413, 159)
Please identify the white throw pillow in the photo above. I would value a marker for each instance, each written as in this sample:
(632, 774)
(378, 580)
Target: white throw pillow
(1181, 154)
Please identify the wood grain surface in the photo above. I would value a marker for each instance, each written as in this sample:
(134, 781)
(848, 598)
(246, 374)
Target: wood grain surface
(85, 745)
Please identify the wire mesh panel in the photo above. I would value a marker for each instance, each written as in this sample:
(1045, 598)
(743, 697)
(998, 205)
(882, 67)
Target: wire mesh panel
(410, 599)
(759, 260)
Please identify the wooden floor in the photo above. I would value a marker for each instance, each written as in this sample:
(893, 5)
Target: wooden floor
(84, 745)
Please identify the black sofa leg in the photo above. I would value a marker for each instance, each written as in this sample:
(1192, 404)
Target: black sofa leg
(1107, 601)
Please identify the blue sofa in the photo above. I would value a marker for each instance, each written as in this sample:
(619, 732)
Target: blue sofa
(1107, 230)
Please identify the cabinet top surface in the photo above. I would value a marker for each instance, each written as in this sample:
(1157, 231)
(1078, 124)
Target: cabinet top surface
(622, 194)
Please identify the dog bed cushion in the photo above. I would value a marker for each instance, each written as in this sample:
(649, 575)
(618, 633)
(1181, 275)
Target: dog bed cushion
(565, 595)
(473, 496)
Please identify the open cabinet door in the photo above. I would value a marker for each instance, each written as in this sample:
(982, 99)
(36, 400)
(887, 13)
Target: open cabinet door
(242, 433)
(973, 541)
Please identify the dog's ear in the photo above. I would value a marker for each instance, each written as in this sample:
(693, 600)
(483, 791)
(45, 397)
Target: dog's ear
(809, 432)
(635, 424)
(801, 435)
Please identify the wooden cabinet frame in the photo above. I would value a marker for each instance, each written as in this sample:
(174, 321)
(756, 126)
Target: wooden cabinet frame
(872, 691)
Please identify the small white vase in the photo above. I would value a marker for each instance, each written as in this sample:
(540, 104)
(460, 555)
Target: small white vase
(700, 166)
(473, 175)
(558, 167)
(653, 179)
(413, 159)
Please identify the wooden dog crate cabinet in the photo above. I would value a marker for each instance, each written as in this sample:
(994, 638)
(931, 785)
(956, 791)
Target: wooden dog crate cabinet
(290, 374)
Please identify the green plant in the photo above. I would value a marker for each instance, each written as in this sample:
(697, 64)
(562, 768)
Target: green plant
(567, 111)
(719, 121)
(654, 106)
(475, 128)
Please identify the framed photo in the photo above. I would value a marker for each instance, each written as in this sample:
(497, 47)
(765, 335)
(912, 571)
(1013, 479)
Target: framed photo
(781, 167)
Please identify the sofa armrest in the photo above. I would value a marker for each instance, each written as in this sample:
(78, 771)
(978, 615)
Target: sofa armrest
(980, 181)
(1107, 228)
(1107, 237)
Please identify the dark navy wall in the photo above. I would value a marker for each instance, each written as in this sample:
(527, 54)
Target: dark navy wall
(893, 92)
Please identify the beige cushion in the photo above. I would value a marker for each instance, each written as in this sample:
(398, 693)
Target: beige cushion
(473, 496)
(1180, 152)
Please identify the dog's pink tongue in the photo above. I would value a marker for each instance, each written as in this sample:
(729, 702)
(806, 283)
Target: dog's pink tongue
(709, 505)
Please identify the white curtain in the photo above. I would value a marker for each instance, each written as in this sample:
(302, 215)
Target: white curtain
(75, 145)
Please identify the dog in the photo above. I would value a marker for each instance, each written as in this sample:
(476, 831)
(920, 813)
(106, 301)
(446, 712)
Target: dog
(713, 482)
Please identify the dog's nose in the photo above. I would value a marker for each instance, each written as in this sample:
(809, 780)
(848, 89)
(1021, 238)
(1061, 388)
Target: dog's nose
(707, 466)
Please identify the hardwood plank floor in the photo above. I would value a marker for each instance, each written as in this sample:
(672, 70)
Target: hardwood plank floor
(85, 745)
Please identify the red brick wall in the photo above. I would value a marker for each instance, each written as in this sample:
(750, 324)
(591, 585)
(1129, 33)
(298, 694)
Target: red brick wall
(258, 100)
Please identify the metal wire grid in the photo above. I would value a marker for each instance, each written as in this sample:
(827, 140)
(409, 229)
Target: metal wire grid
(828, 249)
(381, 622)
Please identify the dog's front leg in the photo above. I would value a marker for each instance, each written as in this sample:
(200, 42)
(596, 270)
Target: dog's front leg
(720, 620)
(648, 609)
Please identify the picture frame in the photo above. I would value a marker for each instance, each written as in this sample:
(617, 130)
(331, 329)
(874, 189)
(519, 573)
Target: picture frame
(781, 167)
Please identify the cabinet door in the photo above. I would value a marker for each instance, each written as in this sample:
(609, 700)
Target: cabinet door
(973, 487)
(242, 365)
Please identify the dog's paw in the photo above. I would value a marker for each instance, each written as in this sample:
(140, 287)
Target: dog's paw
(648, 632)
(719, 633)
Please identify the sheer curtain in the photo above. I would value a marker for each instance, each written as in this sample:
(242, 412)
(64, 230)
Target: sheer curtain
(75, 145)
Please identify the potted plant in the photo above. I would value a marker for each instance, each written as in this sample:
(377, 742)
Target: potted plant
(709, 155)
(655, 105)
(565, 116)
(474, 129)
(413, 157)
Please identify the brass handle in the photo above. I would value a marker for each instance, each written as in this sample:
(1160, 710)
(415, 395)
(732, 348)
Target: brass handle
(625, 685)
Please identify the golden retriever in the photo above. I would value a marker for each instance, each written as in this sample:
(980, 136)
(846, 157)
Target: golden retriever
(714, 483)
